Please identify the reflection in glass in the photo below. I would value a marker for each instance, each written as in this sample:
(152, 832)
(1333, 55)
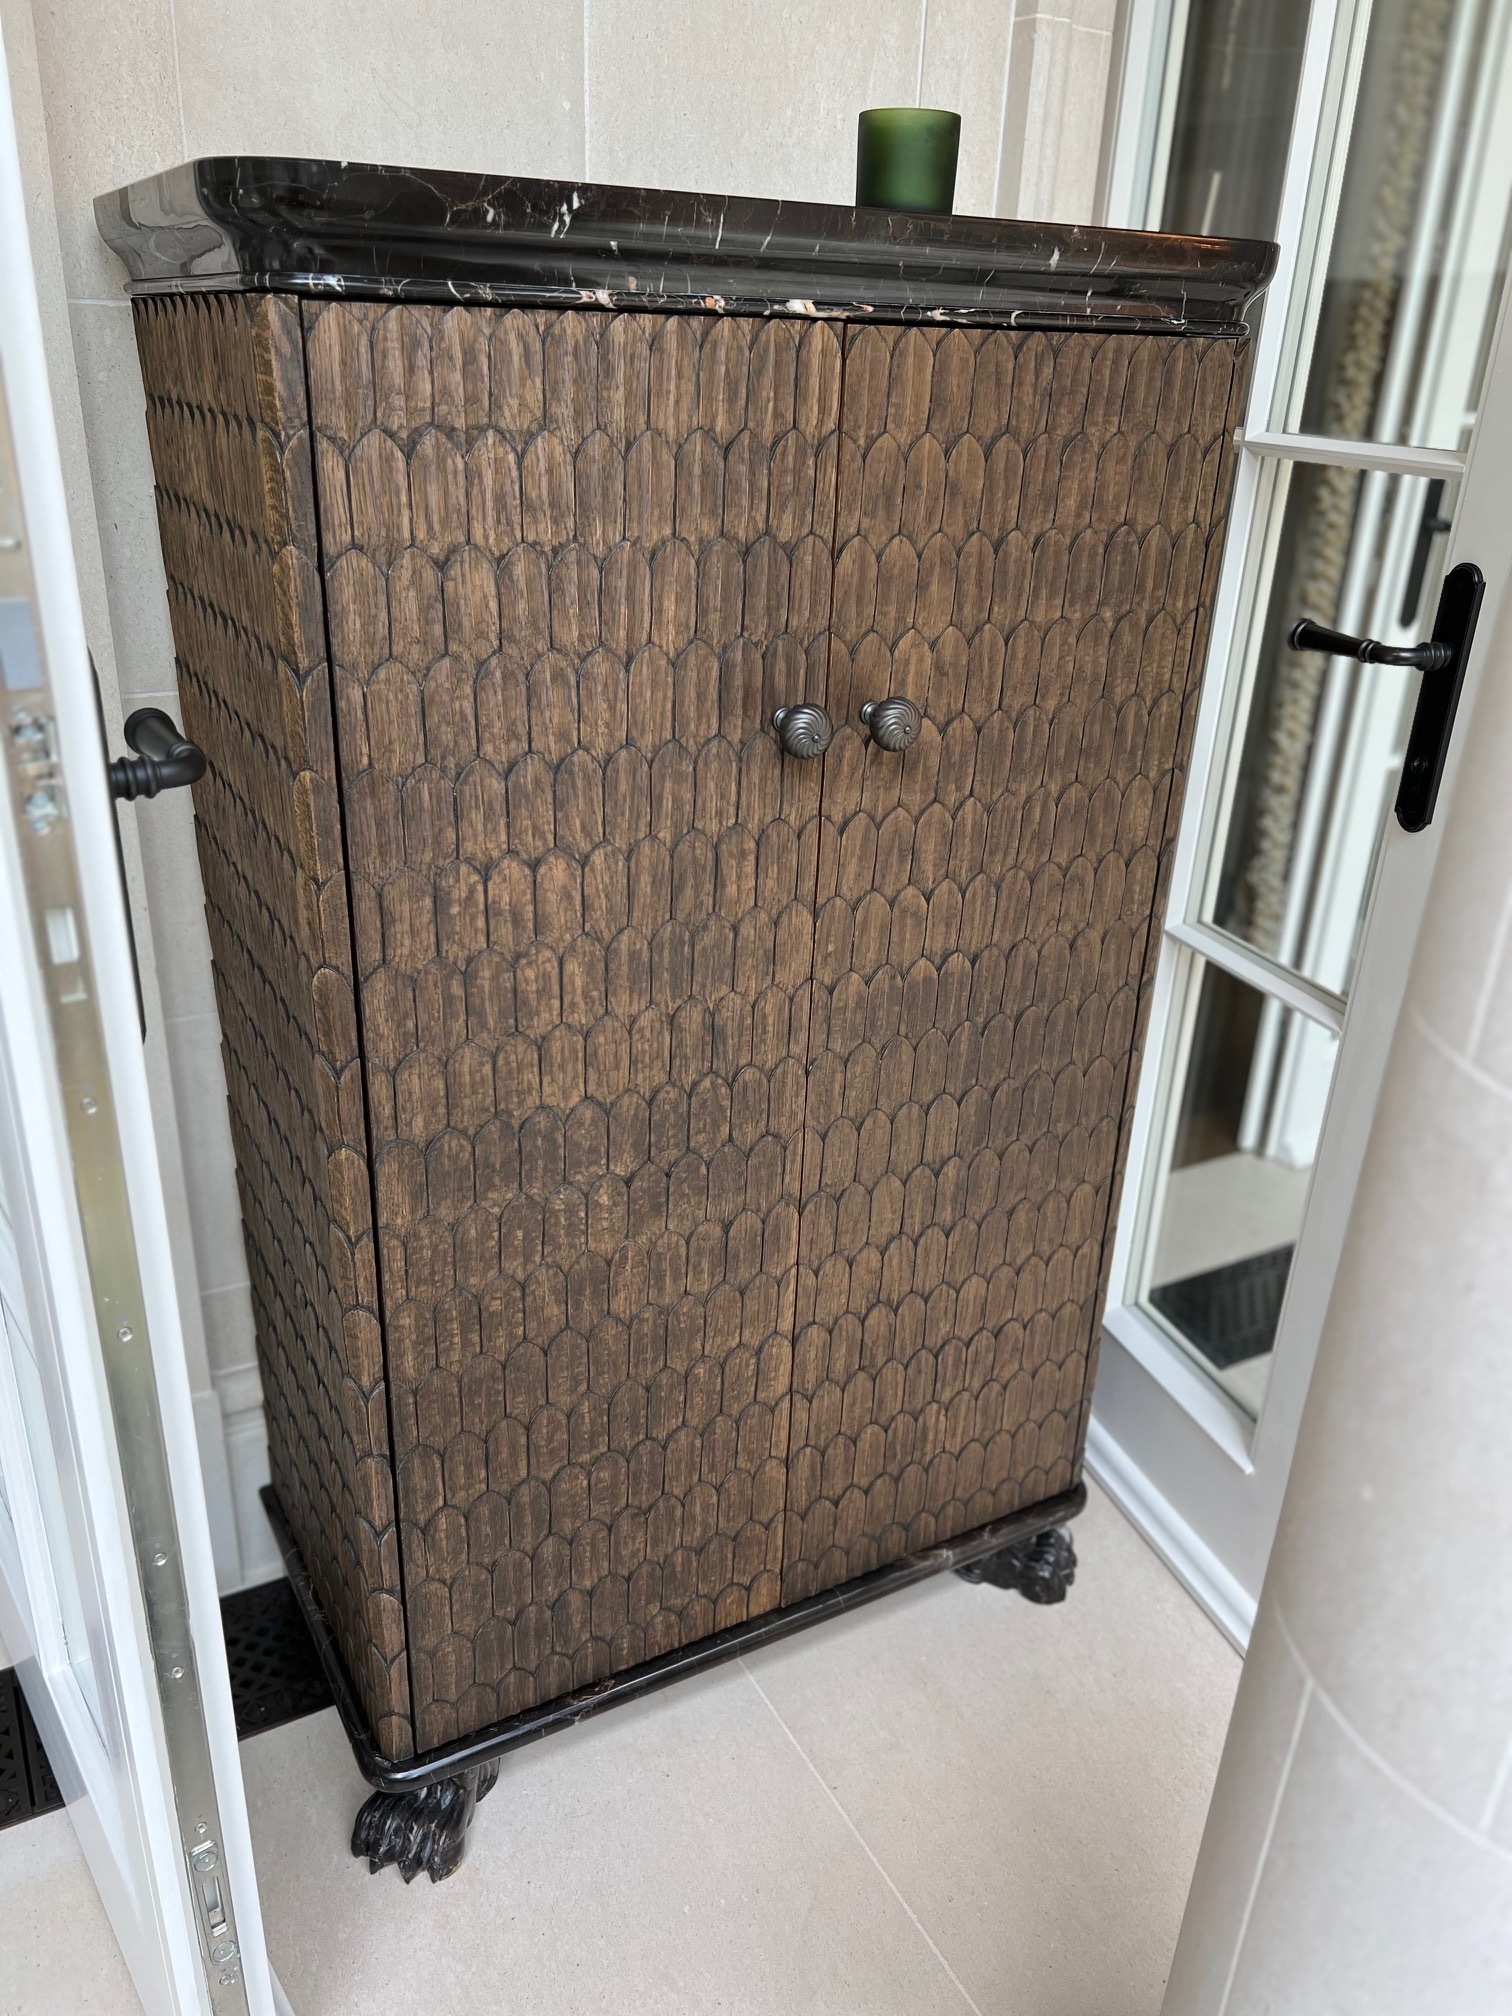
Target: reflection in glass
(1239, 69)
(1322, 738)
(53, 1499)
(1248, 1114)
(1418, 250)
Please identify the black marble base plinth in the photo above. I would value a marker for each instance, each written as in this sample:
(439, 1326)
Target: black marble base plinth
(1023, 1530)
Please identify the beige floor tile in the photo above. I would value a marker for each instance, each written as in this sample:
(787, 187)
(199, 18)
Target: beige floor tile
(950, 1801)
(57, 1955)
(1033, 1781)
(675, 1858)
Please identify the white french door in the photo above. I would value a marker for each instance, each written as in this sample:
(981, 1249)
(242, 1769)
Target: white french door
(1373, 458)
(107, 1589)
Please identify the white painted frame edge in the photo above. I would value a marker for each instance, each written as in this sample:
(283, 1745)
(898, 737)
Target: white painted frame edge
(1330, 77)
(93, 814)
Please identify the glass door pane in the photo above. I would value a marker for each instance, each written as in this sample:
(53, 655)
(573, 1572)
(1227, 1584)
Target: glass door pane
(1238, 92)
(36, 1446)
(1419, 245)
(1318, 751)
(1246, 1112)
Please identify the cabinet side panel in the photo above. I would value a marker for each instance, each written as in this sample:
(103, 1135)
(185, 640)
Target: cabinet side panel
(574, 561)
(224, 378)
(1027, 526)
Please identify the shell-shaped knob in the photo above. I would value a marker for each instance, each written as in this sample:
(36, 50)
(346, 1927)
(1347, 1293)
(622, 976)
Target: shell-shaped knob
(804, 730)
(894, 723)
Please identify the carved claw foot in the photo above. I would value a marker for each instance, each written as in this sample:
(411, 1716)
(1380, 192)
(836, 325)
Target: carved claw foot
(1041, 1568)
(423, 1829)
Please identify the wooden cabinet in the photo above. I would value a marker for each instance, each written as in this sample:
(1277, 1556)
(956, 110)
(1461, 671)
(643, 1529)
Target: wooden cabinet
(677, 1176)
(572, 563)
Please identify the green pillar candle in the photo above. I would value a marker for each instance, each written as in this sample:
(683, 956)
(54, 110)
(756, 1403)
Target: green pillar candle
(906, 158)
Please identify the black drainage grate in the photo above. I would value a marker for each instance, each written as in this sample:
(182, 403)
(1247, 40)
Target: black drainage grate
(275, 1669)
(1229, 1313)
(27, 1784)
(275, 1678)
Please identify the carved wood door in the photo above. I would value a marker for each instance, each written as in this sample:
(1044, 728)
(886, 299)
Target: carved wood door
(573, 561)
(744, 1131)
(1027, 527)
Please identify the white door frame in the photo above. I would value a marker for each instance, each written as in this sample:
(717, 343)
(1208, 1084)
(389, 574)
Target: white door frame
(1201, 1480)
(149, 1764)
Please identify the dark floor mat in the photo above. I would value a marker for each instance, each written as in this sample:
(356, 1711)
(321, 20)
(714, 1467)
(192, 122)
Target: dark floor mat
(275, 1678)
(1229, 1313)
(275, 1670)
(27, 1785)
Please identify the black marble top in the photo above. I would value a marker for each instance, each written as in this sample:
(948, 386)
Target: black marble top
(345, 227)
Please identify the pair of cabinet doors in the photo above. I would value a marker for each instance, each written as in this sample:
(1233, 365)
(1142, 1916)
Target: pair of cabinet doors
(742, 1132)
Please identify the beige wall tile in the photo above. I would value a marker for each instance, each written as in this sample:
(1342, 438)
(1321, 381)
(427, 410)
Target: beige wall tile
(966, 71)
(199, 1088)
(1417, 1918)
(112, 113)
(1432, 1431)
(1255, 1760)
(716, 94)
(175, 895)
(1053, 123)
(239, 1391)
(247, 1460)
(110, 390)
(1078, 129)
(1098, 15)
(32, 107)
(230, 1338)
(1499, 1805)
(1465, 990)
(1037, 61)
(483, 84)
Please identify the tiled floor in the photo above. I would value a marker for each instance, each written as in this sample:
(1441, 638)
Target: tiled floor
(950, 1802)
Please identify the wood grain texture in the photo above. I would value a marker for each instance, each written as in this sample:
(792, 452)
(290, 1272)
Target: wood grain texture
(224, 379)
(742, 1135)
(573, 561)
(1027, 528)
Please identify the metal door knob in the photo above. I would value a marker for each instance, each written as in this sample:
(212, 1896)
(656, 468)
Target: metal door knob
(804, 730)
(894, 723)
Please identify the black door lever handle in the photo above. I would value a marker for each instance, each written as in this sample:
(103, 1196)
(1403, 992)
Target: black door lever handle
(1445, 655)
(165, 758)
(1430, 657)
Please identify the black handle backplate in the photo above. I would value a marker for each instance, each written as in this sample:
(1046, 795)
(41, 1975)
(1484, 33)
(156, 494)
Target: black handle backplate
(1438, 698)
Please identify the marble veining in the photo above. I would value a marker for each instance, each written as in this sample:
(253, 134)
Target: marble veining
(616, 1688)
(264, 224)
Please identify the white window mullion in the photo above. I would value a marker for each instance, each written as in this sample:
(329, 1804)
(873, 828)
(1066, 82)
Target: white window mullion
(1328, 84)
(1329, 88)
(1149, 82)
(1341, 454)
(1318, 1004)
